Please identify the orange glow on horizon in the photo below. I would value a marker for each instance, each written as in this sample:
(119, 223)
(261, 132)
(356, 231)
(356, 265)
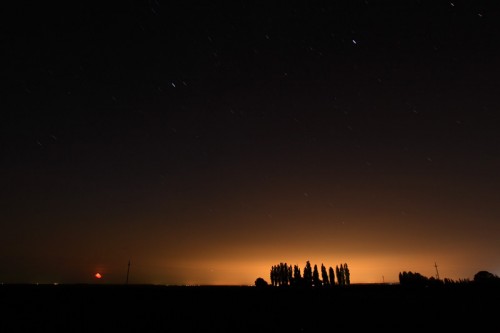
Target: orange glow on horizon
(363, 269)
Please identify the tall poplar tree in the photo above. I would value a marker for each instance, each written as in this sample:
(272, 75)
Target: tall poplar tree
(308, 274)
(332, 276)
(340, 275)
(296, 275)
(324, 275)
(316, 280)
(347, 275)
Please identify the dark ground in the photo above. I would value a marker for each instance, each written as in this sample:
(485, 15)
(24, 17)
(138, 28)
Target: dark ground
(136, 308)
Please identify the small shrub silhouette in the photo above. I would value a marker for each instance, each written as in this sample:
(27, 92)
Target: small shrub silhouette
(261, 283)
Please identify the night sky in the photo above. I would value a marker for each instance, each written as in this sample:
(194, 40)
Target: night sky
(208, 142)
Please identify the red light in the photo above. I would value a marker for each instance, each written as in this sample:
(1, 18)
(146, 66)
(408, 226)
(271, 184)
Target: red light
(98, 275)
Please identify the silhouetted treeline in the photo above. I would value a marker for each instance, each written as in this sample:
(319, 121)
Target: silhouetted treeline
(486, 278)
(418, 280)
(283, 274)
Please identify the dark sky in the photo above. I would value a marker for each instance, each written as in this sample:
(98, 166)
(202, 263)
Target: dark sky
(207, 142)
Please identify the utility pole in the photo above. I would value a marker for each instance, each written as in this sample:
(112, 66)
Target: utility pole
(128, 271)
(437, 272)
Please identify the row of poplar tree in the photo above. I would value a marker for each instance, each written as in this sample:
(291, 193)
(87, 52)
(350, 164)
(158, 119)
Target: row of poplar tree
(283, 274)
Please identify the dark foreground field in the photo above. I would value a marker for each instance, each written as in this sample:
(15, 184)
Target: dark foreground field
(137, 308)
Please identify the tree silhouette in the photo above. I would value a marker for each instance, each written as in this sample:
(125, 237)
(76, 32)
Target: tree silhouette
(297, 278)
(271, 276)
(486, 278)
(413, 279)
(347, 275)
(274, 275)
(316, 280)
(343, 275)
(283, 274)
(308, 274)
(260, 283)
(340, 275)
(280, 275)
(324, 275)
(331, 276)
